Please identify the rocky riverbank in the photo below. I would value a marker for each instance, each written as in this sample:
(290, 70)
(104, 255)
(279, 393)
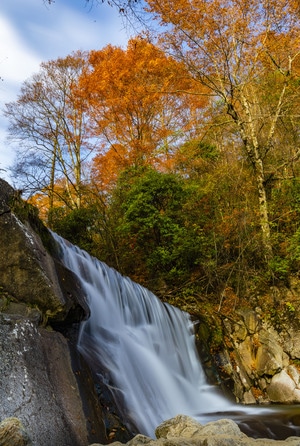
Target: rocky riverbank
(257, 358)
(179, 431)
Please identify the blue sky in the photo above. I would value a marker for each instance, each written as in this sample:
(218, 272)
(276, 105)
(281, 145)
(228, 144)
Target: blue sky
(32, 32)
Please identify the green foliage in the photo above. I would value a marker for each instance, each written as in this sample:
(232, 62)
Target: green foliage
(285, 211)
(5, 298)
(153, 225)
(154, 229)
(23, 210)
(290, 307)
(279, 267)
(27, 213)
(294, 248)
(194, 158)
(296, 362)
(195, 229)
(75, 226)
(211, 330)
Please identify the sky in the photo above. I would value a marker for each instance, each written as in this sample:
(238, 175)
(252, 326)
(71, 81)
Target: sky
(32, 32)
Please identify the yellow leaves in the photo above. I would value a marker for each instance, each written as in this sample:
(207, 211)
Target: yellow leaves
(281, 52)
(224, 39)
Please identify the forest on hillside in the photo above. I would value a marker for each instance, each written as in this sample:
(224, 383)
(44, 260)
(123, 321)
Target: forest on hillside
(174, 160)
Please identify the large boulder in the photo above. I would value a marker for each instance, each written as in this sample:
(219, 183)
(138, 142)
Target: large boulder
(284, 389)
(28, 270)
(270, 357)
(38, 385)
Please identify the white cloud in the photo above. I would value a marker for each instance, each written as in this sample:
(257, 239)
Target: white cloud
(31, 33)
(17, 63)
(17, 60)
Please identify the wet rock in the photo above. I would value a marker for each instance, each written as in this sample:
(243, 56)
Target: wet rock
(38, 385)
(185, 431)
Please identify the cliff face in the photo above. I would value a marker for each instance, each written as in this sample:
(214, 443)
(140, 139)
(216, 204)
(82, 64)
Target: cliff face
(258, 359)
(39, 381)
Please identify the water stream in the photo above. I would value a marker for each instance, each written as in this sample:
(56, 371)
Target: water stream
(144, 350)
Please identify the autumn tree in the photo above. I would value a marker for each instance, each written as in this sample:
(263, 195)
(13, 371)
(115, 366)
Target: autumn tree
(139, 106)
(49, 125)
(247, 54)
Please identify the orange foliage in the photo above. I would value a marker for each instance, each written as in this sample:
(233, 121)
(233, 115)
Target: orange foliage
(61, 196)
(139, 105)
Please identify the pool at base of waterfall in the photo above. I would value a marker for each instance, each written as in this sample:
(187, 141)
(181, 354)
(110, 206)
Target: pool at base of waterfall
(277, 422)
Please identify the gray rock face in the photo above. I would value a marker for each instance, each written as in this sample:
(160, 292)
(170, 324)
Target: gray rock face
(38, 386)
(28, 271)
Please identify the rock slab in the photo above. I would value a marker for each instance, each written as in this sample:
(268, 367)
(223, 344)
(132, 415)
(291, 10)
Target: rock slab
(33, 388)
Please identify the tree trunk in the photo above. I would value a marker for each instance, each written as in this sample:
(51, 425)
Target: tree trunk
(263, 212)
(253, 152)
(51, 187)
(248, 135)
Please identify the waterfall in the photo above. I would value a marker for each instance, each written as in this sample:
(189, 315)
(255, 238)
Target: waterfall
(142, 348)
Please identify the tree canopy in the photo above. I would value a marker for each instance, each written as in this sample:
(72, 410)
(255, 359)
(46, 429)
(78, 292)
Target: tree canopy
(175, 159)
(49, 123)
(247, 54)
(139, 106)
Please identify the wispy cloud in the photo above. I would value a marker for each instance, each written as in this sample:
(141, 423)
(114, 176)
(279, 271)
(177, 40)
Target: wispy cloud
(31, 33)
(17, 59)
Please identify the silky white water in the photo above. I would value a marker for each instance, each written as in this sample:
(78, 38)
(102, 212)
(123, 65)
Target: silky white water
(143, 349)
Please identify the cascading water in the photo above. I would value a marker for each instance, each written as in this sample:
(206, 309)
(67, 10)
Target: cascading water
(145, 352)
(144, 349)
